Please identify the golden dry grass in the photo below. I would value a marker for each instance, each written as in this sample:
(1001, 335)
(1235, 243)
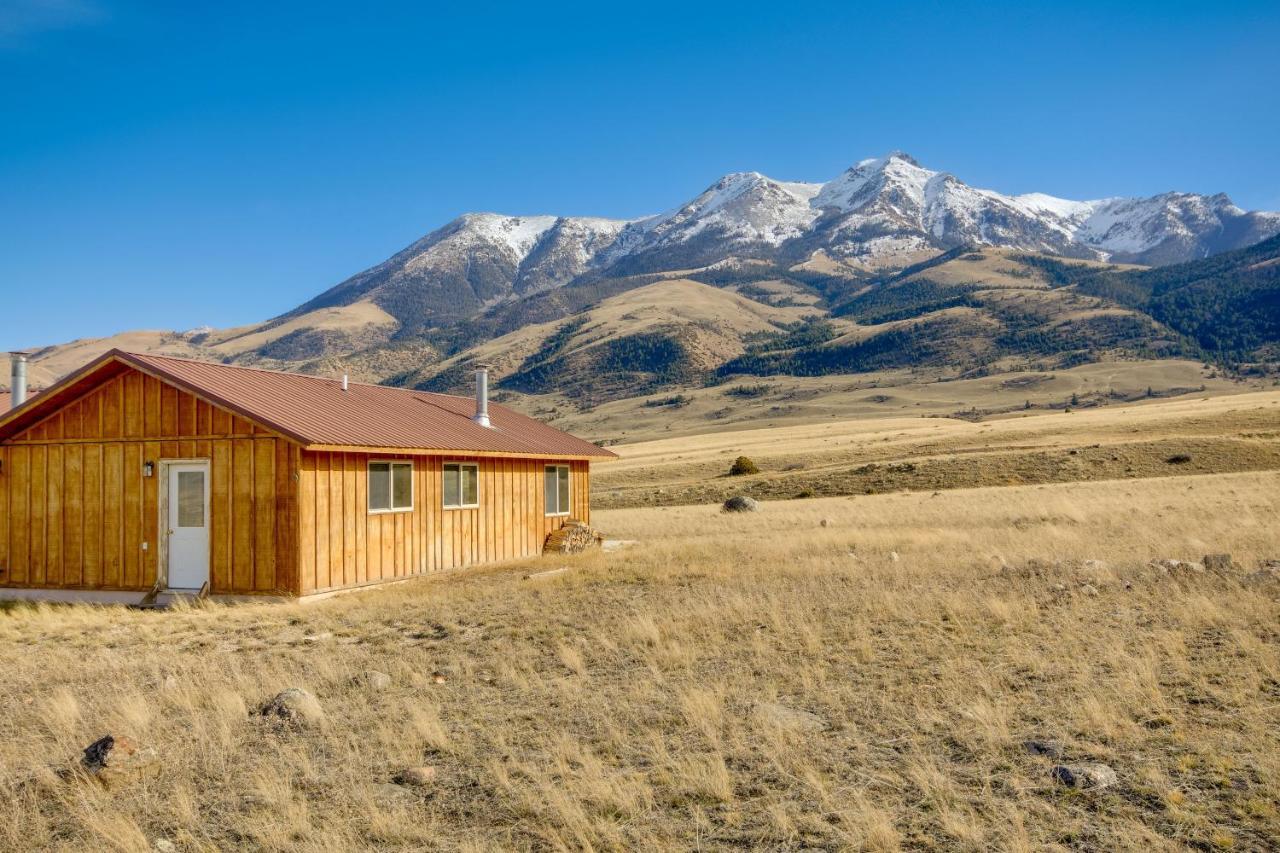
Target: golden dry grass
(619, 705)
(1239, 432)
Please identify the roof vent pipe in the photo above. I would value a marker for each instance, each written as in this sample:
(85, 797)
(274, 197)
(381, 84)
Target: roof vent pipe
(482, 397)
(18, 379)
(344, 382)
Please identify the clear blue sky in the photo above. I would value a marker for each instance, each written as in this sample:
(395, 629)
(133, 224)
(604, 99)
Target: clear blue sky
(168, 165)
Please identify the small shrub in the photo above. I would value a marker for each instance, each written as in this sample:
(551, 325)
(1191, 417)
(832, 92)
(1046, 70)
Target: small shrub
(743, 465)
(1179, 459)
(677, 401)
(747, 391)
(806, 493)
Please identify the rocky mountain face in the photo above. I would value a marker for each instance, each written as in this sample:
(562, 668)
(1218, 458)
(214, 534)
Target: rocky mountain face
(881, 212)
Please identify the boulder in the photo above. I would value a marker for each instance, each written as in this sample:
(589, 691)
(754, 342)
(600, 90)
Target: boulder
(740, 503)
(1218, 562)
(416, 777)
(294, 707)
(112, 760)
(1091, 775)
(1178, 567)
(1044, 748)
(374, 680)
(1268, 574)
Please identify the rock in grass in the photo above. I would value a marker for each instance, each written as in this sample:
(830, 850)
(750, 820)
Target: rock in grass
(1045, 748)
(789, 718)
(112, 760)
(1268, 574)
(374, 680)
(1093, 776)
(416, 777)
(741, 503)
(294, 707)
(1218, 562)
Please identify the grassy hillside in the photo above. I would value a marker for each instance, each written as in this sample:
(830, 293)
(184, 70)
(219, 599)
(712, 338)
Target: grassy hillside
(848, 673)
(1153, 439)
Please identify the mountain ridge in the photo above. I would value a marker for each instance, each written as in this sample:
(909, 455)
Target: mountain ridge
(881, 211)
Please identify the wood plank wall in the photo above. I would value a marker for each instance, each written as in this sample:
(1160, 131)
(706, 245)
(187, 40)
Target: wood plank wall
(75, 508)
(342, 544)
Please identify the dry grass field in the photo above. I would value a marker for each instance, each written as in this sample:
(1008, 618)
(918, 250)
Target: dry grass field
(840, 673)
(1154, 438)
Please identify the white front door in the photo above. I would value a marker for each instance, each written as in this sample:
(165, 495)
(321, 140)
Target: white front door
(188, 524)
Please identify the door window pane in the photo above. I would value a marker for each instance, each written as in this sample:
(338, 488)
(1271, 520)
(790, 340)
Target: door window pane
(402, 486)
(564, 488)
(191, 499)
(379, 486)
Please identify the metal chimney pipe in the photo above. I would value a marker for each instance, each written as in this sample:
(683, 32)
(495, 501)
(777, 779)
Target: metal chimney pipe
(482, 397)
(18, 379)
(345, 382)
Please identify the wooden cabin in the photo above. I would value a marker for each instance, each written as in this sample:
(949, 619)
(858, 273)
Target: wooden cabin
(142, 473)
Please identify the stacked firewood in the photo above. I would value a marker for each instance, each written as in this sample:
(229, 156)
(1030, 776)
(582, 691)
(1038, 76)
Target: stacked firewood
(574, 538)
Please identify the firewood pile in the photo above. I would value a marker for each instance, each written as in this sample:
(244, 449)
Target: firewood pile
(574, 538)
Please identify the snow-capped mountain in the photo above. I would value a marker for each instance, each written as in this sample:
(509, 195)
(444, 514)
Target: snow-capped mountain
(881, 211)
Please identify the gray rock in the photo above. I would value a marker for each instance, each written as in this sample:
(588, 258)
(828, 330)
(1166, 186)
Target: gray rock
(740, 503)
(1178, 567)
(390, 794)
(295, 707)
(1045, 748)
(1268, 573)
(789, 718)
(164, 845)
(374, 680)
(113, 760)
(416, 777)
(1090, 775)
(1089, 589)
(1218, 562)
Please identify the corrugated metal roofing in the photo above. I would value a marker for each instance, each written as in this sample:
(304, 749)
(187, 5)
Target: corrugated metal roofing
(6, 400)
(316, 411)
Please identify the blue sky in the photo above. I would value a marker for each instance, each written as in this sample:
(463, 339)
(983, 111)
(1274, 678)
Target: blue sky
(173, 165)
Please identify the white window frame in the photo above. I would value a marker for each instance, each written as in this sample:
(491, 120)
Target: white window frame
(391, 486)
(567, 510)
(461, 490)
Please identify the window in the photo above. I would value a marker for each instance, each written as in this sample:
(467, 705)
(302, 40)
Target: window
(556, 489)
(461, 485)
(191, 499)
(390, 486)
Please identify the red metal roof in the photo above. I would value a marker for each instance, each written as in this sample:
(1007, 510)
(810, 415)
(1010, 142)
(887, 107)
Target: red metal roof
(6, 400)
(316, 411)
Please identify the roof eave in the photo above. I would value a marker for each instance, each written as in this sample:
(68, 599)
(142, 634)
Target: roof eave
(456, 451)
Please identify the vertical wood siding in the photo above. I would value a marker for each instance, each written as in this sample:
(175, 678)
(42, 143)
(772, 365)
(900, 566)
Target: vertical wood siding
(342, 544)
(75, 509)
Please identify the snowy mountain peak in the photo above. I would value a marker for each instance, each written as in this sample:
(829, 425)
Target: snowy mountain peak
(889, 209)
